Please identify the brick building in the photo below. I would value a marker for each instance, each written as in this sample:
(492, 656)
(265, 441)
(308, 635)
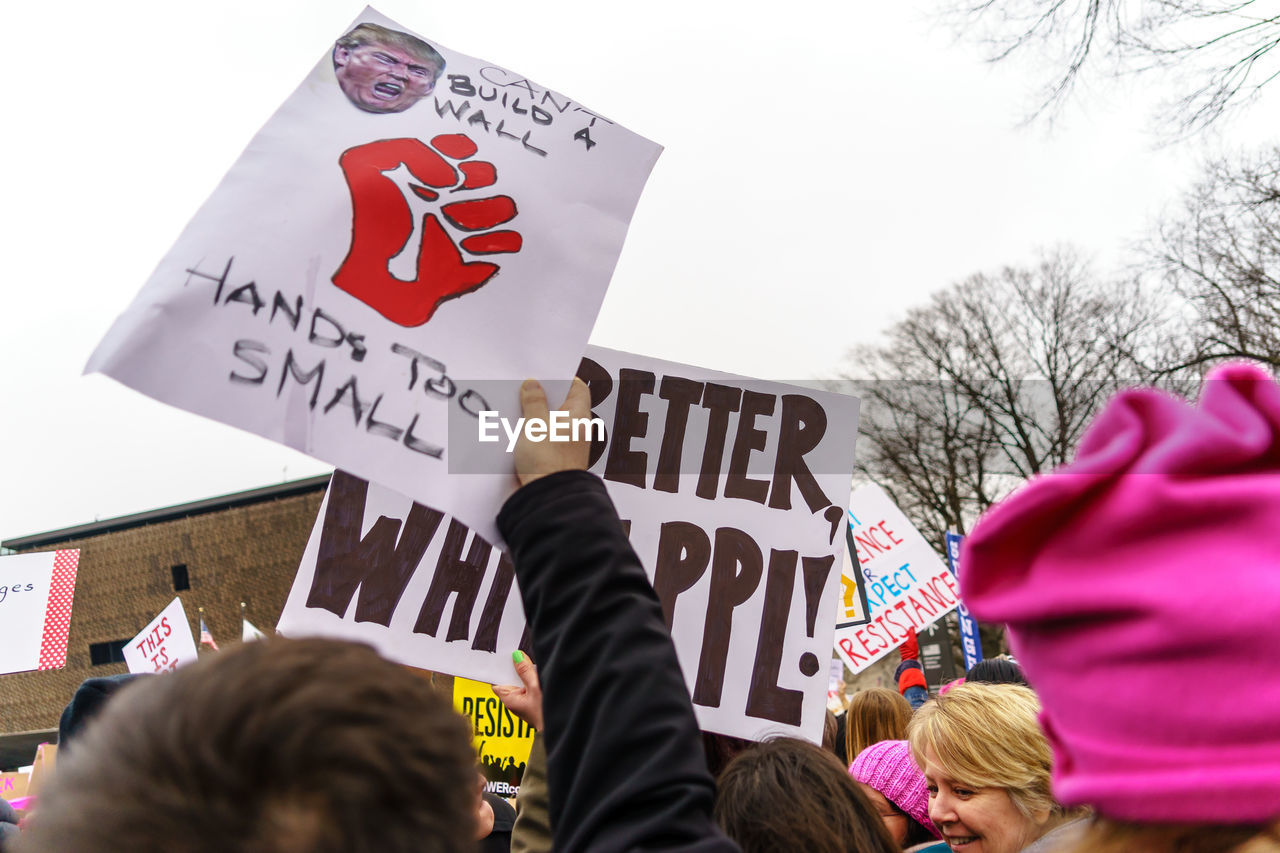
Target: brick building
(213, 554)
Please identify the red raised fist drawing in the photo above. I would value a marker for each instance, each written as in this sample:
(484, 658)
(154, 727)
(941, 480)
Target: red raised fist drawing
(383, 224)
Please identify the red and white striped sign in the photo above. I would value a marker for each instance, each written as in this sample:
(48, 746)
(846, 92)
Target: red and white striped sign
(36, 593)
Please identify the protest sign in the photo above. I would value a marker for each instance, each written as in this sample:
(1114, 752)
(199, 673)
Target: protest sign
(936, 656)
(36, 594)
(42, 767)
(13, 785)
(907, 585)
(970, 640)
(410, 222)
(853, 609)
(734, 491)
(165, 644)
(501, 738)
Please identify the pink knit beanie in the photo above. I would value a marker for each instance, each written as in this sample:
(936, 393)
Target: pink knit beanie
(1141, 587)
(888, 767)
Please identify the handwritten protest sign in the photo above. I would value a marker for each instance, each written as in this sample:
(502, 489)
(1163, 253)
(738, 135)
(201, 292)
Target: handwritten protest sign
(502, 739)
(411, 221)
(907, 585)
(14, 784)
(853, 608)
(42, 768)
(734, 490)
(36, 594)
(165, 644)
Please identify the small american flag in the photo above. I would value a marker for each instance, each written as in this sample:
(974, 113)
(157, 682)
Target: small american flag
(206, 639)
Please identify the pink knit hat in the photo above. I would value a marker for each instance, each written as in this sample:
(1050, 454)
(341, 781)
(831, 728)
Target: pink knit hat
(888, 767)
(1141, 587)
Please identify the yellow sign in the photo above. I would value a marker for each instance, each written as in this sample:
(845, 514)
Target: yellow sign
(501, 738)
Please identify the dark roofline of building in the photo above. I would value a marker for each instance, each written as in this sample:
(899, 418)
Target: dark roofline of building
(125, 522)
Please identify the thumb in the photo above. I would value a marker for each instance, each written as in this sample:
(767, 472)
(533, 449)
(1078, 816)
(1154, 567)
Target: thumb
(525, 669)
(578, 401)
(533, 400)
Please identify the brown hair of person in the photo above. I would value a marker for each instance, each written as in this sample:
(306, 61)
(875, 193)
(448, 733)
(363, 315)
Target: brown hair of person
(875, 715)
(277, 746)
(787, 794)
(1110, 836)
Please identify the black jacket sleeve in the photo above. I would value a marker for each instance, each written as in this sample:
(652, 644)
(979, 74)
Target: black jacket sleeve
(625, 766)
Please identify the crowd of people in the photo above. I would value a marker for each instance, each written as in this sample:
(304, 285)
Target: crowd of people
(1140, 587)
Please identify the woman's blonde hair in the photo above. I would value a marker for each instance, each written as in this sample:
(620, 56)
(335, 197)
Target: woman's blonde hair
(1110, 836)
(987, 736)
(874, 715)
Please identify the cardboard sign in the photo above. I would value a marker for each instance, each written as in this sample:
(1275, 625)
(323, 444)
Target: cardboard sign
(42, 768)
(411, 222)
(36, 594)
(734, 490)
(970, 639)
(14, 785)
(502, 739)
(907, 585)
(165, 644)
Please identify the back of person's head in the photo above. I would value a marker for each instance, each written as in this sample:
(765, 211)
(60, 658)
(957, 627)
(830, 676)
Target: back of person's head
(86, 704)
(1154, 724)
(830, 727)
(721, 749)
(986, 735)
(875, 715)
(787, 794)
(278, 746)
(997, 670)
(1108, 836)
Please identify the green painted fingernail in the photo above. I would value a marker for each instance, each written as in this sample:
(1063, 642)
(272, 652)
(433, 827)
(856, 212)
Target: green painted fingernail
(517, 656)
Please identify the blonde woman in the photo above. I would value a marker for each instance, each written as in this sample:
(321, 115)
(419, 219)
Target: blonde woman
(874, 715)
(986, 765)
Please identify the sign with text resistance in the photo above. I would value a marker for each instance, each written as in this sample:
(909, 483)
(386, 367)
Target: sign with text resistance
(907, 585)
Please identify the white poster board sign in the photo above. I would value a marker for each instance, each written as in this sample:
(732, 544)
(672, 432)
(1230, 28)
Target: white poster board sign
(165, 644)
(412, 221)
(36, 594)
(907, 584)
(734, 492)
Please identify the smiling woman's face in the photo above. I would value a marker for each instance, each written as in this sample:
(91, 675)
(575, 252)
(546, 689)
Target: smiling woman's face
(978, 820)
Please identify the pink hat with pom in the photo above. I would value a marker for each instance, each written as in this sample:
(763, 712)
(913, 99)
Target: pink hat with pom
(888, 767)
(1141, 588)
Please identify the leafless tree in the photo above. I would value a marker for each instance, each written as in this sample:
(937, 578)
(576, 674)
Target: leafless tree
(994, 381)
(1222, 253)
(1218, 53)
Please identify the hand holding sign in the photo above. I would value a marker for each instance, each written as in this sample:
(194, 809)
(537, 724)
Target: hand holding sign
(534, 457)
(525, 702)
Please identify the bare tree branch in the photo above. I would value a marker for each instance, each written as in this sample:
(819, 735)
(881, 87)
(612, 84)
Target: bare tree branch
(1222, 52)
(994, 381)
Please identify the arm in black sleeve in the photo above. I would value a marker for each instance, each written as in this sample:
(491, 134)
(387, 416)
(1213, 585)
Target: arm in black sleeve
(625, 765)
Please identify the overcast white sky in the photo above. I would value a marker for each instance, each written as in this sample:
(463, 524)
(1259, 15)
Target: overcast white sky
(827, 165)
